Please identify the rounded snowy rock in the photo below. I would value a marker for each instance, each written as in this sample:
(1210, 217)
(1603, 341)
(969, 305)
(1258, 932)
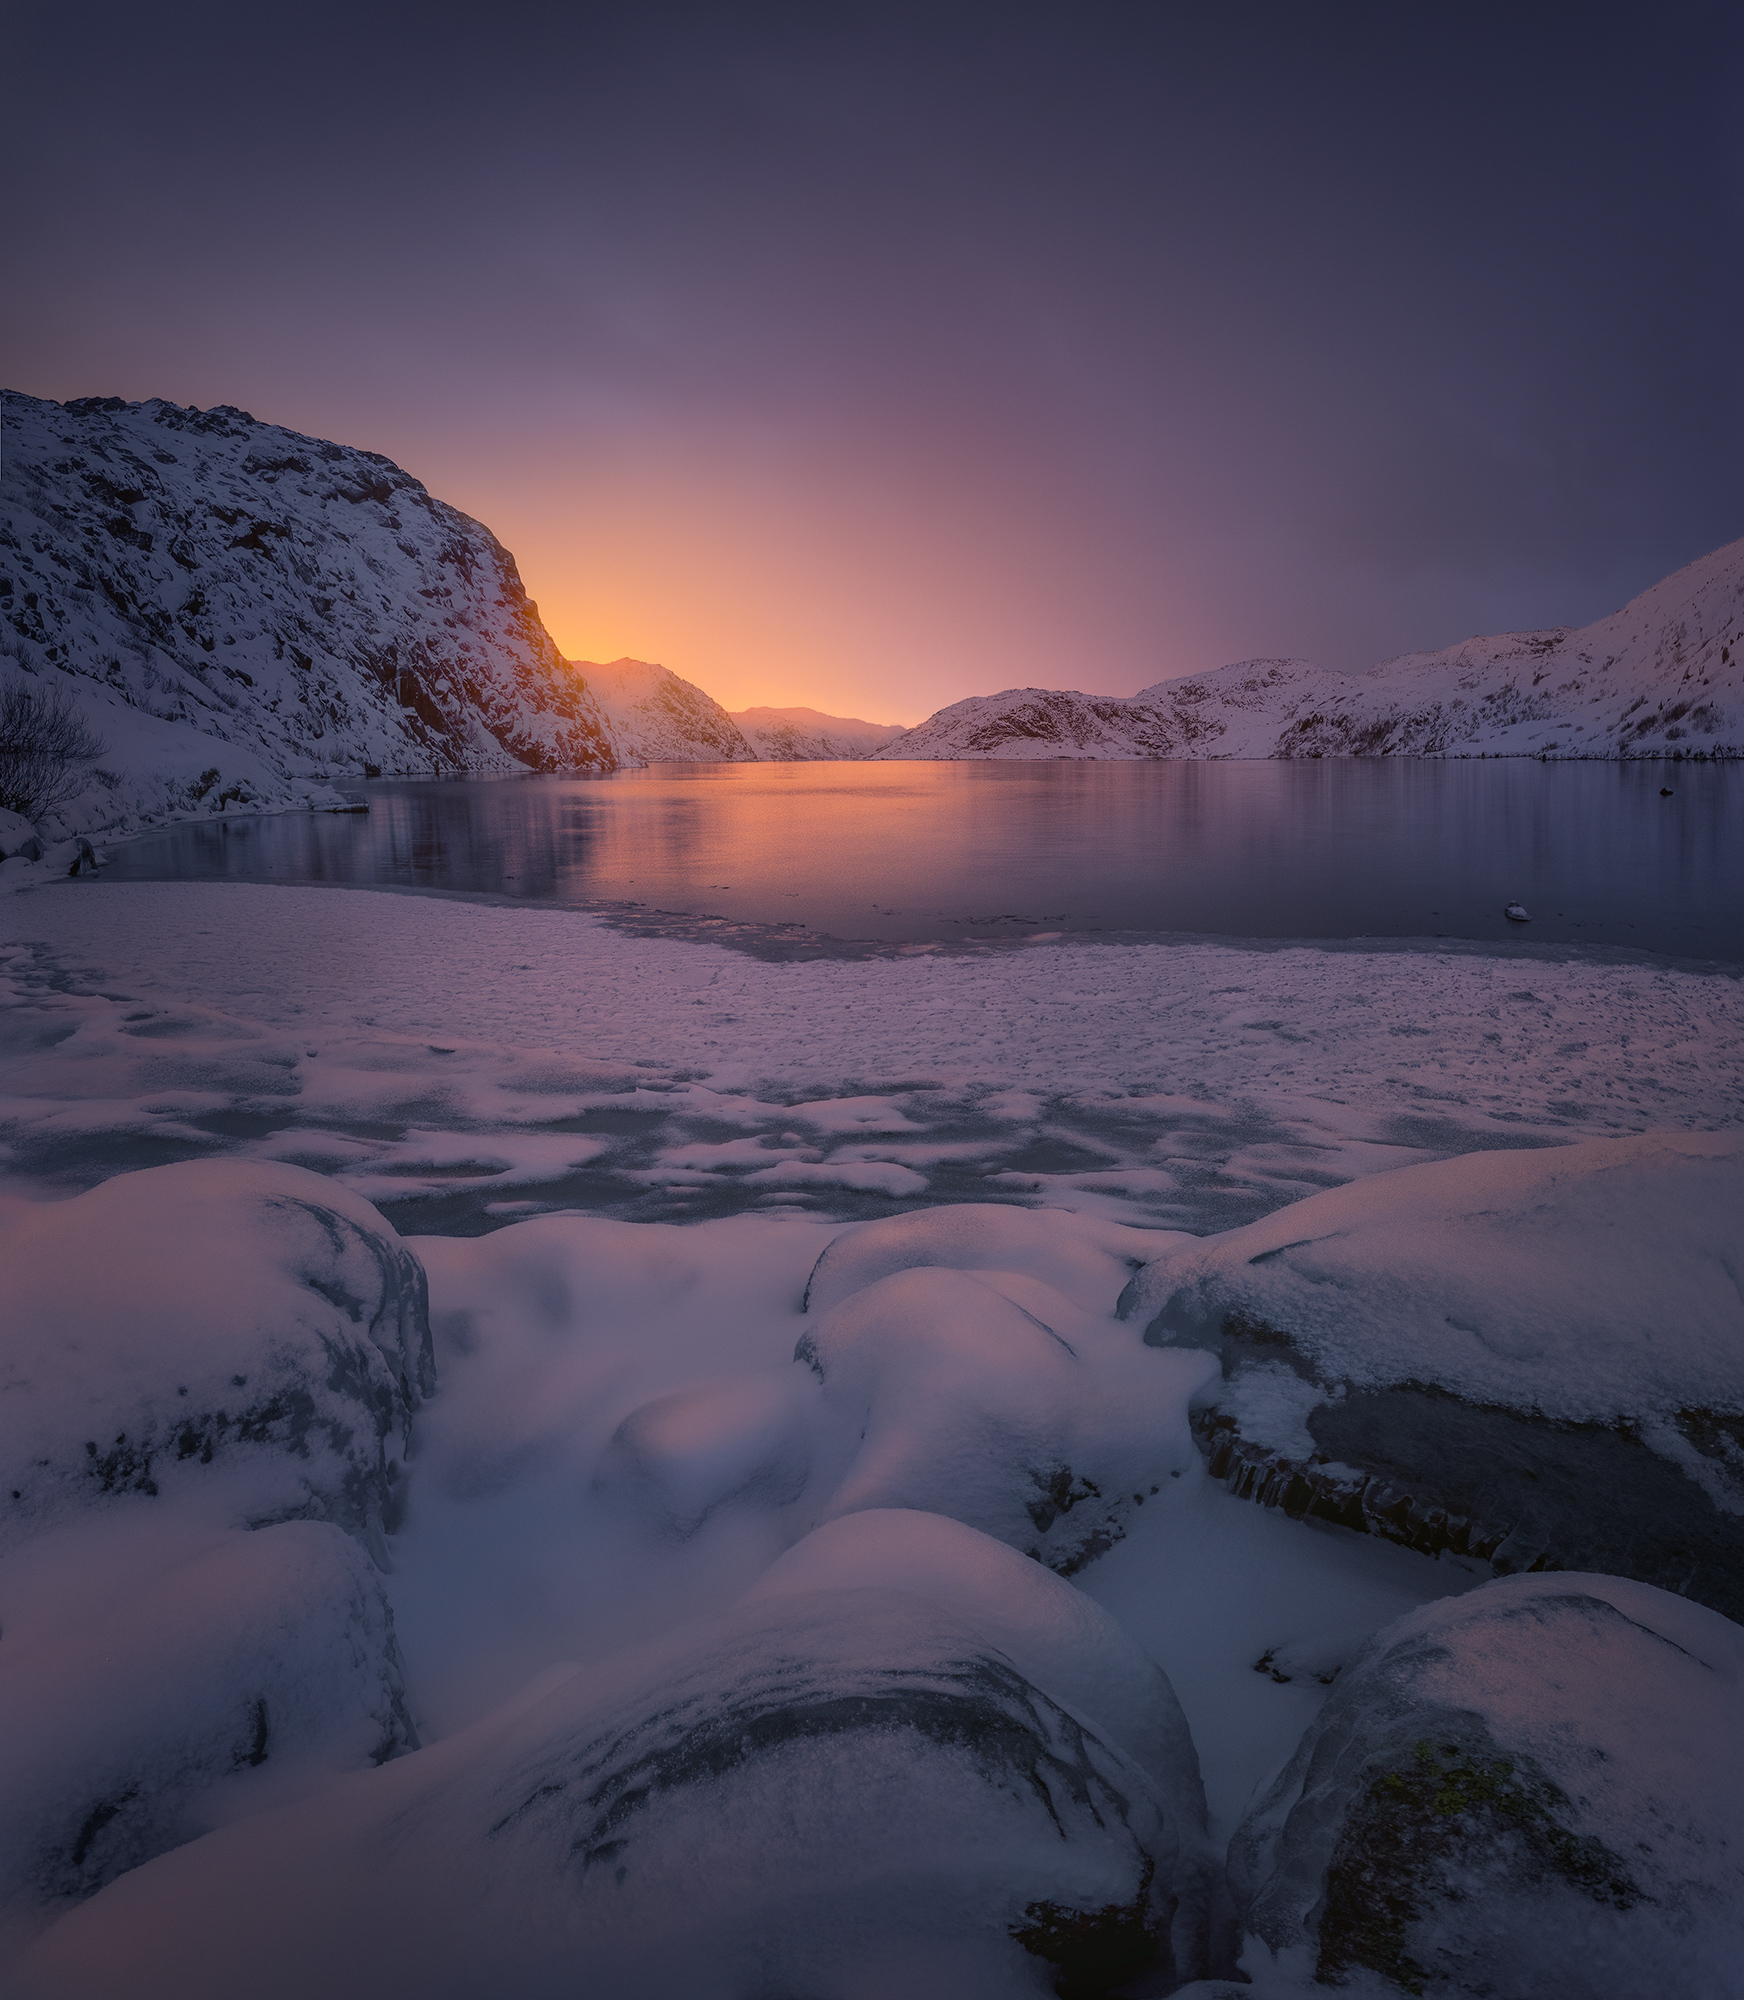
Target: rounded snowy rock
(840, 1792)
(252, 1332)
(1534, 1788)
(1533, 1357)
(189, 1672)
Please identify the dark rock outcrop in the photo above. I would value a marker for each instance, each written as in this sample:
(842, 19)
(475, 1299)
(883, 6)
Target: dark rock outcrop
(1534, 1358)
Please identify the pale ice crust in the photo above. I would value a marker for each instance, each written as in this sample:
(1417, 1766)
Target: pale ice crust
(758, 1468)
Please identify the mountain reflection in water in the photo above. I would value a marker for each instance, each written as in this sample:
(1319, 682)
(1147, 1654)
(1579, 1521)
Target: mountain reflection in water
(909, 853)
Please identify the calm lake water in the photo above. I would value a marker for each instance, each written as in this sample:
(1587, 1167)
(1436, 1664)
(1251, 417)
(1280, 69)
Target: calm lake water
(907, 853)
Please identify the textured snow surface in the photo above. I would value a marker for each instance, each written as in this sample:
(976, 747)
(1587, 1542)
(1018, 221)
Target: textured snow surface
(1535, 1788)
(657, 718)
(1662, 677)
(804, 735)
(448, 1059)
(243, 612)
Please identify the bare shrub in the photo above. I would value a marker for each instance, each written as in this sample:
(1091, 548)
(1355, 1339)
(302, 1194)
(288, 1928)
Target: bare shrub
(42, 740)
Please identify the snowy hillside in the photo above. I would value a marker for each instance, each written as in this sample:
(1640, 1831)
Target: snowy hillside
(803, 735)
(1663, 677)
(657, 718)
(245, 613)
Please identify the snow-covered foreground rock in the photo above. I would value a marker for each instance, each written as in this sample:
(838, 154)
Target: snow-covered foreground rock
(1537, 1788)
(244, 614)
(216, 1326)
(712, 1563)
(207, 1379)
(1663, 677)
(842, 1791)
(1535, 1358)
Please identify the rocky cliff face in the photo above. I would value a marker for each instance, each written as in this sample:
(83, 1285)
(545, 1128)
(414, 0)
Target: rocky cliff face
(657, 718)
(237, 603)
(1663, 677)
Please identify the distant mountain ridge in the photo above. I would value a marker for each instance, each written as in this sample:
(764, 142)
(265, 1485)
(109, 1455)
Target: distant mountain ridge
(245, 613)
(801, 735)
(1663, 677)
(656, 717)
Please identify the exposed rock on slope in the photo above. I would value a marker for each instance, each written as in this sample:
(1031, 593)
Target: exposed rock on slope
(243, 610)
(657, 718)
(1662, 677)
(1475, 1354)
(803, 735)
(1531, 1789)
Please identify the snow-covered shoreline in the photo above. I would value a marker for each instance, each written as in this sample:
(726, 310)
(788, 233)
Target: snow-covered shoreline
(659, 1457)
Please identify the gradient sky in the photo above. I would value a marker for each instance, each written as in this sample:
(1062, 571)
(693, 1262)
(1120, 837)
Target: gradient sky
(873, 356)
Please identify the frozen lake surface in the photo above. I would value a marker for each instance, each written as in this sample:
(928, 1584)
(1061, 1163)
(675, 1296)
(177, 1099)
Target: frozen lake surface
(793, 859)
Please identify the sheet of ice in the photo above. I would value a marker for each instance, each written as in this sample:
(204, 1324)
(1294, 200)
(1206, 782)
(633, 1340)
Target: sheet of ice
(442, 1056)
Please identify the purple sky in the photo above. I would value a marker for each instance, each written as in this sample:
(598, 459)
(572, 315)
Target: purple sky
(875, 356)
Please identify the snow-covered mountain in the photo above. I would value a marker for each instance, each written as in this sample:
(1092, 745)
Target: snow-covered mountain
(658, 718)
(1662, 677)
(245, 613)
(803, 735)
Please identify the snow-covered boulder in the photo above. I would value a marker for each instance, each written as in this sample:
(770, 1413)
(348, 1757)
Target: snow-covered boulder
(249, 1332)
(1057, 1638)
(1535, 1357)
(1536, 1788)
(157, 1677)
(18, 837)
(70, 857)
(846, 1792)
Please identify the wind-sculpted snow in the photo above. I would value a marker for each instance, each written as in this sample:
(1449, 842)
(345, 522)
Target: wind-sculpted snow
(982, 1395)
(657, 718)
(244, 1331)
(838, 1791)
(245, 613)
(1663, 677)
(1534, 1357)
(1531, 1789)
